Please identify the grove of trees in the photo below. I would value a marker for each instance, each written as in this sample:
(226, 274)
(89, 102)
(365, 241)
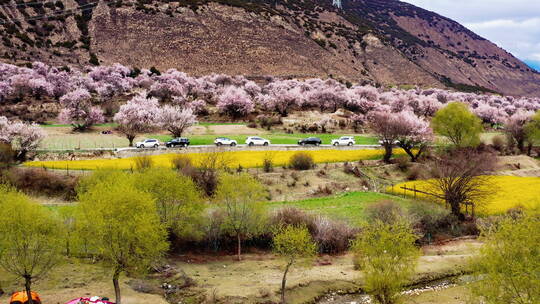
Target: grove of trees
(83, 93)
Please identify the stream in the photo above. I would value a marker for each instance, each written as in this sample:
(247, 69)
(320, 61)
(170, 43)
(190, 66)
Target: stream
(362, 298)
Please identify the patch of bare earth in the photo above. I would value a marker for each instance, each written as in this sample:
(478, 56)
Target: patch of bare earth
(259, 275)
(519, 165)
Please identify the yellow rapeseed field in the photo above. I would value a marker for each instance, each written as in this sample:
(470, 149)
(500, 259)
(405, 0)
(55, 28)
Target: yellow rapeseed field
(508, 192)
(246, 159)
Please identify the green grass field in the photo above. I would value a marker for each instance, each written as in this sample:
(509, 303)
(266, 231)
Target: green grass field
(95, 140)
(348, 206)
(112, 125)
(275, 138)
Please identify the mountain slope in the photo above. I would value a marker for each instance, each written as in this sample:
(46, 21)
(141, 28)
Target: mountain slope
(384, 42)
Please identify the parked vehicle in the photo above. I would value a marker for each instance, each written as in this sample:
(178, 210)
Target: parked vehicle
(310, 141)
(257, 141)
(224, 141)
(147, 143)
(395, 142)
(177, 142)
(344, 141)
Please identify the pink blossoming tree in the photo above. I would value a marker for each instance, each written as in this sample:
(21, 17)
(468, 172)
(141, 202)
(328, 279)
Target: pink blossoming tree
(138, 115)
(78, 110)
(235, 102)
(176, 119)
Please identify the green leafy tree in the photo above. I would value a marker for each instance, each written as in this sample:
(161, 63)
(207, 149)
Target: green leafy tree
(387, 255)
(30, 238)
(124, 225)
(240, 196)
(178, 201)
(532, 128)
(294, 245)
(508, 266)
(457, 123)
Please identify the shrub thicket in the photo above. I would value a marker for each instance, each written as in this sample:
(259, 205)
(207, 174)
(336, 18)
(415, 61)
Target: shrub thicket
(143, 162)
(301, 161)
(43, 182)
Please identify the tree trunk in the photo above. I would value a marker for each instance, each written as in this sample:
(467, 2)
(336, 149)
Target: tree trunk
(68, 248)
(116, 275)
(529, 149)
(131, 138)
(521, 145)
(456, 210)
(284, 282)
(239, 249)
(28, 287)
(387, 152)
(21, 155)
(176, 133)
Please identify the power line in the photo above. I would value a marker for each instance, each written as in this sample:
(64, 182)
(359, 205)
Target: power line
(25, 4)
(82, 8)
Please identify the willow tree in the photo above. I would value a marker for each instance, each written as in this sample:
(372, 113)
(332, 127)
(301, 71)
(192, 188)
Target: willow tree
(178, 201)
(240, 196)
(458, 124)
(387, 255)
(508, 265)
(30, 238)
(294, 245)
(124, 224)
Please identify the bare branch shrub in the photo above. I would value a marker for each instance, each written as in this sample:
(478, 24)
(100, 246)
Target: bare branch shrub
(460, 177)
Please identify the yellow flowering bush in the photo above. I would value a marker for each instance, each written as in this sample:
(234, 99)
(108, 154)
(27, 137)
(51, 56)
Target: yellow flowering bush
(508, 192)
(246, 159)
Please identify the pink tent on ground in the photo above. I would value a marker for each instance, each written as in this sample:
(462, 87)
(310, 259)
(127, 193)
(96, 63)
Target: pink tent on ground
(92, 300)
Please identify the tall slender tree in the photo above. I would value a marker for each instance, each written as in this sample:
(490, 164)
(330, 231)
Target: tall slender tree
(240, 196)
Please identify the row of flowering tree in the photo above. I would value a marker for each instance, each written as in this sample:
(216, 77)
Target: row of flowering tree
(237, 96)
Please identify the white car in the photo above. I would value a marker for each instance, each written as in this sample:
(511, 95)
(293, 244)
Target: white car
(147, 143)
(257, 141)
(344, 141)
(224, 141)
(396, 142)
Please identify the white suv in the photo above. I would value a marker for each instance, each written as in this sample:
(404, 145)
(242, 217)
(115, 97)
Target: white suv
(147, 143)
(224, 141)
(257, 141)
(344, 141)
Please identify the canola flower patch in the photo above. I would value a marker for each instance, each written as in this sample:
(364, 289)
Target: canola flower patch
(246, 159)
(507, 192)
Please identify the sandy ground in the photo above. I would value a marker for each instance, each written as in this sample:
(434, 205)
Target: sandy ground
(73, 280)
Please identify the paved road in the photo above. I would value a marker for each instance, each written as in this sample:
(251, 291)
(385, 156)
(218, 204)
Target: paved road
(213, 147)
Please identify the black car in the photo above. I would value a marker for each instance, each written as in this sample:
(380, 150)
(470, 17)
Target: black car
(177, 142)
(310, 141)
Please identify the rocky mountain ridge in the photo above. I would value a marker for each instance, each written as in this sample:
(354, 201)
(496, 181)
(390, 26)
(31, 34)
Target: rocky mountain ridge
(382, 42)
